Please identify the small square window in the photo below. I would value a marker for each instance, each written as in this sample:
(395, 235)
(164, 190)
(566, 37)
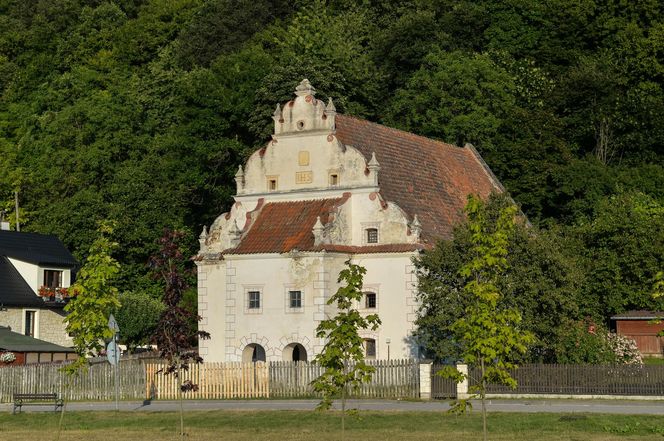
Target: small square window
(370, 300)
(254, 298)
(272, 184)
(334, 179)
(372, 235)
(295, 299)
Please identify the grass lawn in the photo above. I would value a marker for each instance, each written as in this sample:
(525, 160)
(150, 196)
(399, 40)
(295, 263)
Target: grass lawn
(291, 425)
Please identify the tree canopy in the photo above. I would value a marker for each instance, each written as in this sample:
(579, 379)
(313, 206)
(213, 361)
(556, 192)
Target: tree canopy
(140, 111)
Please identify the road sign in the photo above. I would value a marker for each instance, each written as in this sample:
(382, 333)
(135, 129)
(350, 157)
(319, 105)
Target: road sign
(113, 353)
(113, 324)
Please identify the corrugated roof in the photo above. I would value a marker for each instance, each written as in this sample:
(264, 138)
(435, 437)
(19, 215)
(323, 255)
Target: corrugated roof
(40, 249)
(13, 341)
(425, 177)
(14, 290)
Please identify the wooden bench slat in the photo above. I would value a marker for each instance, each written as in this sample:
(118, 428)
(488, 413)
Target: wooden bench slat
(21, 400)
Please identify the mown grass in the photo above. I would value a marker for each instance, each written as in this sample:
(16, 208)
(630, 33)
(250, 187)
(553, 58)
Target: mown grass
(296, 425)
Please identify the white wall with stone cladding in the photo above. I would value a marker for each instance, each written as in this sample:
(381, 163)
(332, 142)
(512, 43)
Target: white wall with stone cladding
(233, 326)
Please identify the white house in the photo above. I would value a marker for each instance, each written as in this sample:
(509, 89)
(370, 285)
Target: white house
(35, 272)
(327, 188)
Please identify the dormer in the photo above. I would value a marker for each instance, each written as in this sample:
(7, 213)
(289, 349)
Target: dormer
(305, 113)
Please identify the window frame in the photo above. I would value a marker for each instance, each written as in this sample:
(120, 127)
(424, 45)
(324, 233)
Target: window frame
(270, 181)
(34, 322)
(367, 302)
(248, 309)
(297, 299)
(60, 277)
(366, 345)
(371, 232)
(288, 308)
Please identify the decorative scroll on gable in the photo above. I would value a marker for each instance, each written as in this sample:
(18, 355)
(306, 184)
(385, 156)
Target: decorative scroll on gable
(304, 113)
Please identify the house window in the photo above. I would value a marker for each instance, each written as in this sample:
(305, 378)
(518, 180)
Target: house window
(370, 300)
(254, 299)
(370, 348)
(334, 179)
(30, 323)
(52, 278)
(272, 184)
(372, 235)
(295, 299)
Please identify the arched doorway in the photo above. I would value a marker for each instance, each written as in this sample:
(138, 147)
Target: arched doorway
(253, 353)
(295, 352)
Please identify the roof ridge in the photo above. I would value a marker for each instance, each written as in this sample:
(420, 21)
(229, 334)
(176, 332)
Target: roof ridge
(402, 132)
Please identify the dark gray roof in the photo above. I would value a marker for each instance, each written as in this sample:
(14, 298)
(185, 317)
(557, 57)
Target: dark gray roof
(14, 290)
(40, 249)
(639, 315)
(13, 341)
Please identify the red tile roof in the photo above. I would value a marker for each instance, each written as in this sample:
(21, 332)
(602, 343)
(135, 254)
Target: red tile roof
(425, 177)
(280, 227)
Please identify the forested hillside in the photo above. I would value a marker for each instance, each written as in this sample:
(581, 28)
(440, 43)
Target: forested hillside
(140, 112)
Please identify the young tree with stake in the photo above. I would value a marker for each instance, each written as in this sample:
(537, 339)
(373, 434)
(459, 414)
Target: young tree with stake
(343, 354)
(488, 332)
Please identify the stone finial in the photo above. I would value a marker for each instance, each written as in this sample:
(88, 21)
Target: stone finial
(277, 113)
(239, 179)
(373, 162)
(330, 109)
(305, 88)
(235, 234)
(203, 237)
(374, 167)
(416, 228)
(319, 232)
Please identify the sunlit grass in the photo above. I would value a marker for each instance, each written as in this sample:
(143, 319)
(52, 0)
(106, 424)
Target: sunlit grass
(292, 425)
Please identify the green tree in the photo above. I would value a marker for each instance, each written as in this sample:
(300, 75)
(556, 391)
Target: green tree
(342, 356)
(542, 280)
(95, 297)
(622, 246)
(489, 334)
(137, 317)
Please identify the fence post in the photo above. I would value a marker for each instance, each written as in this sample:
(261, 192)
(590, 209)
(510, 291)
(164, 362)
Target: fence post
(425, 380)
(462, 388)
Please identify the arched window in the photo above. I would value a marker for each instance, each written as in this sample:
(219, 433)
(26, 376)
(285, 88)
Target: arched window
(372, 235)
(253, 353)
(295, 352)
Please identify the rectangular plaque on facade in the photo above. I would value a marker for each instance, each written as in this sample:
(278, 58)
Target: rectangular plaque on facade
(303, 158)
(305, 177)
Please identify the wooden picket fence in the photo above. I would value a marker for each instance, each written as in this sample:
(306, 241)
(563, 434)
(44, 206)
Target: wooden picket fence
(144, 379)
(94, 384)
(392, 379)
(214, 380)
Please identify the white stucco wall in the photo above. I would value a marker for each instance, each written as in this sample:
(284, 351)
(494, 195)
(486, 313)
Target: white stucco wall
(233, 325)
(300, 158)
(34, 274)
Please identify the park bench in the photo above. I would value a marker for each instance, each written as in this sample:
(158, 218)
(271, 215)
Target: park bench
(52, 399)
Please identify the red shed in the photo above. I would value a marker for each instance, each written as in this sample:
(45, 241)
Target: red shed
(643, 327)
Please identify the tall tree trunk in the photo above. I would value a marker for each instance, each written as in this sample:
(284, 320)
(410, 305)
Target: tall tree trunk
(483, 397)
(181, 404)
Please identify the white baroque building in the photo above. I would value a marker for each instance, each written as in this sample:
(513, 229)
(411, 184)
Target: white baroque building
(327, 188)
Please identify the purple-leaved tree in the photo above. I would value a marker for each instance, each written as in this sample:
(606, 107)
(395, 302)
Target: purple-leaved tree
(174, 335)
